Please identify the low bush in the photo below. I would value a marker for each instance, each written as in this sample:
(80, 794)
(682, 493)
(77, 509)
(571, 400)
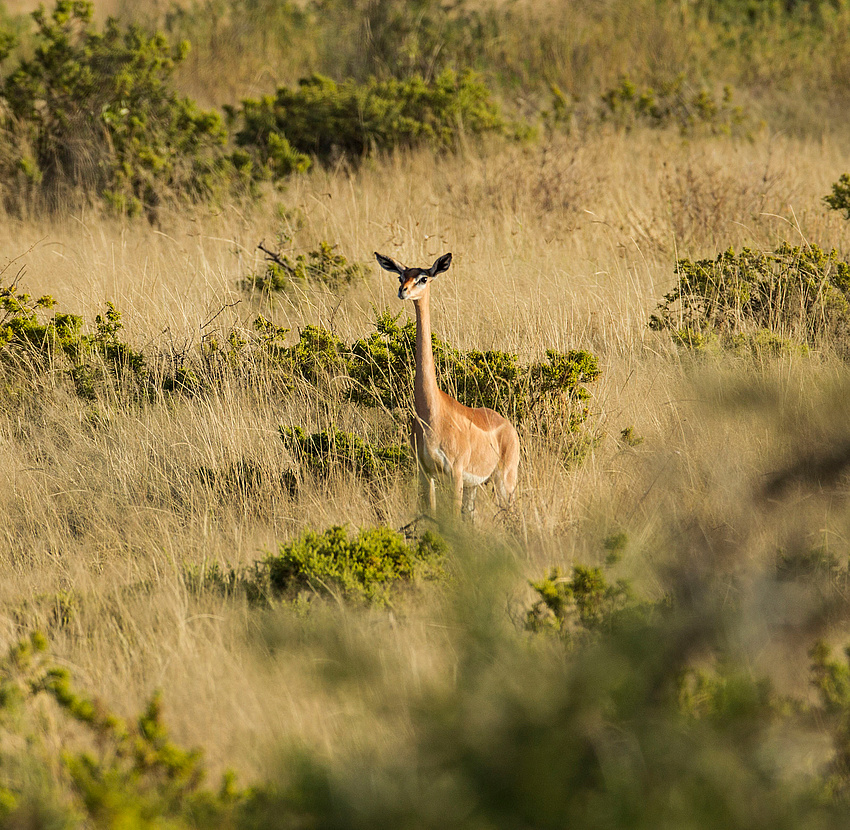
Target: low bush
(319, 266)
(779, 300)
(324, 119)
(839, 199)
(369, 568)
(375, 567)
(382, 366)
(549, 399)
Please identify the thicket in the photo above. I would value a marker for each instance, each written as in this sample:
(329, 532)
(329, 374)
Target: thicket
(96, 112)
(839, 199)
(642, 720)
(381, 368)
(369, 567)
(771, 52)
(792, 297)
(674, 102)
(331, 452)
(580, 603)
(323, 119)
(549, 398)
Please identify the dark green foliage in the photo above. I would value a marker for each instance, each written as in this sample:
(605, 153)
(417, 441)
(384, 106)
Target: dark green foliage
(95, 110)
(831, 678)
(808, 563)
(365, 568)
(21, 327)
(245, 478)
(672, 104)
(324, 119)
(577, 604)
(618, 732)
(382, 364)
(121, 359)
(241, 352)
(750, 12)
(839, 199)
(760, 300)
(323, 453)
(729, 697)
(319, 266)
(614, 545)
(548, 398)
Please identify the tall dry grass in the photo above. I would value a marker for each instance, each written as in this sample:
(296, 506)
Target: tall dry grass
(103, 505)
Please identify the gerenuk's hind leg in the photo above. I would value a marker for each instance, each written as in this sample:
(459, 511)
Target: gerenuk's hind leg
(468, 508)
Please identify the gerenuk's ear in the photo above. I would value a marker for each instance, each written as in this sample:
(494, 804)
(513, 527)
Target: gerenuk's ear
(388, 264)
(440, 265)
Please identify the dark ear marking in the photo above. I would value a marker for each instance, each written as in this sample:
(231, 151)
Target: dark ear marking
(389, 264)
(440, 265)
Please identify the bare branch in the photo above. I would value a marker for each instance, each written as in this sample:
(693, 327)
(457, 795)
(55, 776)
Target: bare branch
(271, 256)
(220, 312)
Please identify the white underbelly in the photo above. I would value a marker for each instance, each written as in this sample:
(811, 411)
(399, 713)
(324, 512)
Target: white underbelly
(472, 480)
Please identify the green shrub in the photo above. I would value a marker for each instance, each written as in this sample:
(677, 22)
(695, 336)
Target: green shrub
(323, 453)
(246, 478)
(614, 545)
(320, 265)
(747, 12)
(577, 604)
(729, 697)
(375, 567)
(770, 301)
(28, 340)
(369, 567)
(105, 773)
(95, 111)
(656, 721)
(831, 680)
(839, 199)
(318, 356)
(672, 104)
(324, 119)
(400, 38)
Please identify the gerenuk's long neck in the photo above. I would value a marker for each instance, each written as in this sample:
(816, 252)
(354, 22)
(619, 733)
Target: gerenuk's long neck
(425, 395)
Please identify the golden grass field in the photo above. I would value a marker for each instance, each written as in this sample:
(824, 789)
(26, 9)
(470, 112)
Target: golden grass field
(565, 244)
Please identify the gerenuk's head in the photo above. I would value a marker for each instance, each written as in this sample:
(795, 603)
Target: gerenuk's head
(413, 282)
